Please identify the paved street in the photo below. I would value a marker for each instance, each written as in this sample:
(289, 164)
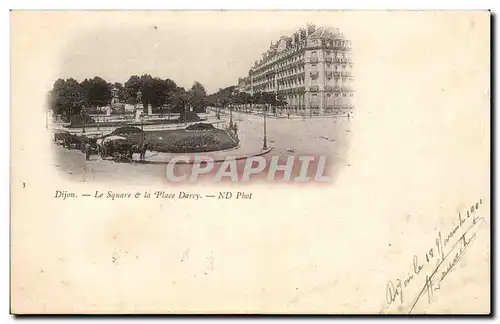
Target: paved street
(317, 136)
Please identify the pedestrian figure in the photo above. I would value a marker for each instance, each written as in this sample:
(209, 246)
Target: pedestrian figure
(131, 153)
(144, 148)
(87, 151)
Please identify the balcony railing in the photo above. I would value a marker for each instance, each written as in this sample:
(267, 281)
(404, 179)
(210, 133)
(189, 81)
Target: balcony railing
(328, 60)
(313, 60)
(314, 74)
(314, 88)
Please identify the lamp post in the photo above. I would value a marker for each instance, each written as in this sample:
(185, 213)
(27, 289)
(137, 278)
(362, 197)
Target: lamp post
(277, 95)
(264, 144)
(142, 130)
(230, 116)
(185, 113)
(82, 114)
(139, 99)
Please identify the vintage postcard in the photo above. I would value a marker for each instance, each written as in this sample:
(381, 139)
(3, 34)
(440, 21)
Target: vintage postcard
(250, 162)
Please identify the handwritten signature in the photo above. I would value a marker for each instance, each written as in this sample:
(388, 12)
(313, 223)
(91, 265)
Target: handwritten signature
(445, 254)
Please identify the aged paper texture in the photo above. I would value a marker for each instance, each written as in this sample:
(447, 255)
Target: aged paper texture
(149, 153)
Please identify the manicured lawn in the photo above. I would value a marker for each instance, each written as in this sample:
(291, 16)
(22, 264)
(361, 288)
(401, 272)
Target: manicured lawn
(182, 141)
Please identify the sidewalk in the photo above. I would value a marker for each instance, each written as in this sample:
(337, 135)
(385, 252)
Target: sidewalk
(237, 153)
(273, 116)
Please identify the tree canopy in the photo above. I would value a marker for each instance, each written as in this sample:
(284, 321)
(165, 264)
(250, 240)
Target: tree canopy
(67, 97)
(230, 95)
(122, 93)
(197, 97)
(97, 92)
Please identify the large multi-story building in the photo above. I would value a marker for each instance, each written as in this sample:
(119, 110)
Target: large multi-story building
(311, 71)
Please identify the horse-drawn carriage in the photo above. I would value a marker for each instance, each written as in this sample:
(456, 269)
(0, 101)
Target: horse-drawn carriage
(90, 139)
(119, 145)
(67, 139)
(119, 148)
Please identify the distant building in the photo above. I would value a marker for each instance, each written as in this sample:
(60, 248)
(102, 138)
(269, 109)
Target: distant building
(311, 70)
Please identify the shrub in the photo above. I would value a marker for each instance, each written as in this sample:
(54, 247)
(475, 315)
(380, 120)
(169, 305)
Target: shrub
(78, 120)
(126, 130)
(190, 116)
(201, 127)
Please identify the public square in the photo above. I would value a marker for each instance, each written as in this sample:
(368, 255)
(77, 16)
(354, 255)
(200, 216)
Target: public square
(325, 136)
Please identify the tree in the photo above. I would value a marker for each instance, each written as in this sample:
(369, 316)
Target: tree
(160, 92)
(154, 91)
(67, 98)
(97, 92)
(122, 92)
(197, 97)
(244, 98)
(221, 95)
(179, 100)
(264, 98)
(132, 87)
(251, 100)
(169, 88)
(147, 90)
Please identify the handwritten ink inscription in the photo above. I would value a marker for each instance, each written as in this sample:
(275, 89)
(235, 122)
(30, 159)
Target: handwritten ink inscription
(438, 262)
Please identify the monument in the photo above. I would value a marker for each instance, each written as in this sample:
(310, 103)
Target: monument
(115, 96)
(139, 109)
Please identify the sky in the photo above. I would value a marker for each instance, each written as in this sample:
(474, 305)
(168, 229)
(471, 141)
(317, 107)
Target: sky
(214, 48)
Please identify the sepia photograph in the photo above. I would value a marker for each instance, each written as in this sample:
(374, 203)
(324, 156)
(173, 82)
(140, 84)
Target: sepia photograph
(121, 108)
(250, 162)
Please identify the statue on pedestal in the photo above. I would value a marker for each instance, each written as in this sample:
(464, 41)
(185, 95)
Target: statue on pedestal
(139, 109)
(139, 97)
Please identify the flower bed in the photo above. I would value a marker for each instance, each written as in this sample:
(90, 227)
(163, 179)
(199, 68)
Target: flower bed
(182, 141)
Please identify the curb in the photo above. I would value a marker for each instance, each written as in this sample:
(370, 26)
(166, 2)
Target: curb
(226, 158)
